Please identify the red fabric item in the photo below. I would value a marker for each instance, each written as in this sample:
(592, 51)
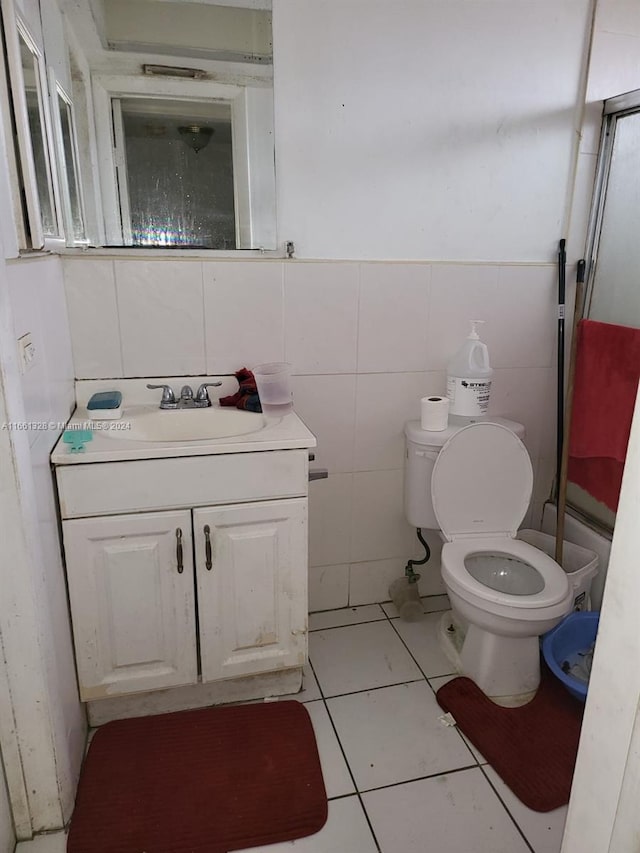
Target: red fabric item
(246, 397)
(533, 748)
(206, 781)
(605, 387)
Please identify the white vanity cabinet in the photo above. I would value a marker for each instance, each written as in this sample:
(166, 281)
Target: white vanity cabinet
(249, 587)
(132, 602)
(191, 588)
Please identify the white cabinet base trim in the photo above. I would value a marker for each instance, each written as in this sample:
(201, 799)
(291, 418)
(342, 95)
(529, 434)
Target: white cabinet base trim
(195, 696)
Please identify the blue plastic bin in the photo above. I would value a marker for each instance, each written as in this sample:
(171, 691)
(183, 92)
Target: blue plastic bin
(576, 632)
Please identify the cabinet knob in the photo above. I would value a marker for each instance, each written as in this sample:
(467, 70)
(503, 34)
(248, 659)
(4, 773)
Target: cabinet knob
(207, 548)
(179, 554)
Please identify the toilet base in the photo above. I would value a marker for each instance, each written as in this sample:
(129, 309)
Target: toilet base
(506, 669)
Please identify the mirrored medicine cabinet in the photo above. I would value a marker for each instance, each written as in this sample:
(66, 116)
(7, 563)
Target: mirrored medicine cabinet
(141, 123)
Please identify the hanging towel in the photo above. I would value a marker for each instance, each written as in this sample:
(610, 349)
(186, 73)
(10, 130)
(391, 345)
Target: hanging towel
(246, 397)
(605, 387)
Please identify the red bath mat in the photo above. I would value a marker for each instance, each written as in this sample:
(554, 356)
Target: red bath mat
(205, 781)
(532, 748)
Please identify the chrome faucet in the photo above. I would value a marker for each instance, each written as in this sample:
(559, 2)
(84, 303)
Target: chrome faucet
(202, 394)
(187, 399)
(186, 395)
(168, 400)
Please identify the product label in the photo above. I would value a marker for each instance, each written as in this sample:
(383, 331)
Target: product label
(468, 396)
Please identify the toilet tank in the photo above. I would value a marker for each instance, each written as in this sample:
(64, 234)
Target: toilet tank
(422, 448)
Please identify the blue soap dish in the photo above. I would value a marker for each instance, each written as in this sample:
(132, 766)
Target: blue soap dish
(105, 406)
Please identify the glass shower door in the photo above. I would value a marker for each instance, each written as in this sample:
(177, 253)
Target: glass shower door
(613, 294)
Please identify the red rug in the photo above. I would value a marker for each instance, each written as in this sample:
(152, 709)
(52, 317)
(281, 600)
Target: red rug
(532, 748)
(205, 781)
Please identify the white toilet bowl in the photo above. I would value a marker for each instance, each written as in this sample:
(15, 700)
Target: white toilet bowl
(503, 591)
(508, 593)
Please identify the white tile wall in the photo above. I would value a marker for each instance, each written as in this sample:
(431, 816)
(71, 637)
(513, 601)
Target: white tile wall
(384, 402)
(366, 341)
(161, 309)
(93, 315)
(329, 403)
(329, 586)
(459, 293)
(243, 304)
(321, 317)
(330, 509)
(393, 315)
(379, 525)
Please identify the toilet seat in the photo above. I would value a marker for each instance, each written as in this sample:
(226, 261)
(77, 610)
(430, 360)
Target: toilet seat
(456, 575)
(481, 483)
(481, 489)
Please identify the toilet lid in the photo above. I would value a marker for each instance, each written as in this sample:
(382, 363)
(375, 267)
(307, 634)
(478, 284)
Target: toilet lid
(481, 483)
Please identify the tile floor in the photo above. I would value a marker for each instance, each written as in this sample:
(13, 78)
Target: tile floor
(398, 781)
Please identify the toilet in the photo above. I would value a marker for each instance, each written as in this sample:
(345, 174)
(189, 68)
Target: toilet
(473, 482)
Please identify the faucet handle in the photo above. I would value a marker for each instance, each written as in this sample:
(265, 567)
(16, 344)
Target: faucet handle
(168, 397)
(202, 395)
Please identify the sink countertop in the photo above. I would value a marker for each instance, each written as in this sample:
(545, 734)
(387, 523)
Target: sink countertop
(279, 433)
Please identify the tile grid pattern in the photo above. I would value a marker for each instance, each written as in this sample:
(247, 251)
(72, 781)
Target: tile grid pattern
(395, 775)
(360, 616)
(366, 340)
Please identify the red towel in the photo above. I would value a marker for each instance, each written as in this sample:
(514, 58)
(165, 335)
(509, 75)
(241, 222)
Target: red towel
(606, 383)
(246, 397)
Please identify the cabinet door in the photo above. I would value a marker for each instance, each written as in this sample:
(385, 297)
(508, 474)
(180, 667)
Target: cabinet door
(251, 570)
(132, 602)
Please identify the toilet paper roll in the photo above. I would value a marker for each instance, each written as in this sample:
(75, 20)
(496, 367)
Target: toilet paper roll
(434, 413)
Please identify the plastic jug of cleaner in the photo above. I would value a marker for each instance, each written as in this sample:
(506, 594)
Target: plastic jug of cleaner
(469, 377)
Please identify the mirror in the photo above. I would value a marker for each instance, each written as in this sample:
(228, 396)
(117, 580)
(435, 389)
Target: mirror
(33, 97)
(181, 96)
(177, 177)
(69, 167)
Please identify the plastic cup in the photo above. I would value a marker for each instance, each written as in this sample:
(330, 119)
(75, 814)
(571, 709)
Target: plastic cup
(273, 381)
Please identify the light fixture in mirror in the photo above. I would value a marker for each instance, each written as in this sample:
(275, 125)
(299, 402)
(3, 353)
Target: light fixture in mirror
(184, 159)
(196, 136)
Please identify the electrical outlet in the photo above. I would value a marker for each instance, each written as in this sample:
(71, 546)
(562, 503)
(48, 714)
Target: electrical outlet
(28, 352)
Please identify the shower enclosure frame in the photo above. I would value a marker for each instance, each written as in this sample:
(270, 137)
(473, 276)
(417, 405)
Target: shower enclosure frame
(614, 109)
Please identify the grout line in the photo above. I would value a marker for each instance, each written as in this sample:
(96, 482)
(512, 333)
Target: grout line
(515, 822)
(381, 618)
(422, 778)
(114, 279)
(373, 689)
(475, 764)
(344, 755)
(426, 677)
(203, 314)
(349, 624)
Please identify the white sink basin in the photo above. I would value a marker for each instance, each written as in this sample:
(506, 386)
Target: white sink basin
(153, 424)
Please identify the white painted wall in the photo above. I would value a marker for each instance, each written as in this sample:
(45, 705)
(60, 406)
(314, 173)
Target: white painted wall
(38, 305)
(43, 747)
(441, 130)
(7, 835)
(50, 721)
